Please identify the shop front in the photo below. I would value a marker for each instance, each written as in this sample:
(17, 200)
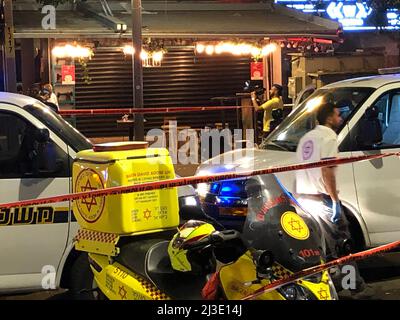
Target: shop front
(194, 54)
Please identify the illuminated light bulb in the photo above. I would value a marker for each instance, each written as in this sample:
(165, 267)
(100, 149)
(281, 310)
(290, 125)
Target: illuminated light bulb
(218, 49)
(309, 47)
(265, 51)
(283, 45)
(224, 47)
(255, 51)
(82, 52)
(288, 46)
(129, 49)
(144, 55)
(68, 47)
(58, 52)
(71, 51)
(316, 49)
(236, 51)
(200, 48)
(158, 56)
(272, 47)
(210, 49)
(245, 49)
(269, 48)
(230, 47)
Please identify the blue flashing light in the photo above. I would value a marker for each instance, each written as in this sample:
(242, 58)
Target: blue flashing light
(227, 201)
(226, 189)
(214, 188)
(231, 189)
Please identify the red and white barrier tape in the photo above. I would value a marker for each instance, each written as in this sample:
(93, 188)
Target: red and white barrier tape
(316, 269)
(147, 186)
(88, 112)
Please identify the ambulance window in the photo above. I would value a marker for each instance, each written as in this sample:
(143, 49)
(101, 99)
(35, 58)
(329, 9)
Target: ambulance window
(379, 128)
(12, 129)
(22, 156)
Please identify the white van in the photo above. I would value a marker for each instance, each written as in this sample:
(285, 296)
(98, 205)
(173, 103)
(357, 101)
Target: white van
(370, 108)
(37, 239)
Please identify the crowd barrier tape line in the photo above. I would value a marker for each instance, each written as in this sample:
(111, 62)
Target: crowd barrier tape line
(316, 269)
(89, 112)
(226, 176)
(170, 183)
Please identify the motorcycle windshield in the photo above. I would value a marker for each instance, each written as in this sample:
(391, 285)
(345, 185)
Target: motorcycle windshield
(275, 222)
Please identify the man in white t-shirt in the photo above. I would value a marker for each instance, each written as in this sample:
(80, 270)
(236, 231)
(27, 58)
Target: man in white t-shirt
(317, 190)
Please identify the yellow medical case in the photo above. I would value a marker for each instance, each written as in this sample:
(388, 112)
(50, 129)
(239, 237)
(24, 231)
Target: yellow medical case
(122, 164)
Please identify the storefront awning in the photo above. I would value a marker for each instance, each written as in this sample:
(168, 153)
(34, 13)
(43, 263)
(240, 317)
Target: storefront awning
(192, 20)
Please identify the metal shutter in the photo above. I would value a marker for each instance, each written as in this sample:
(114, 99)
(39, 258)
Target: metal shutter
(183, 80)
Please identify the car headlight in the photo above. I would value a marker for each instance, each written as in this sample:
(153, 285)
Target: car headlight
(190, 201)
(202, 189)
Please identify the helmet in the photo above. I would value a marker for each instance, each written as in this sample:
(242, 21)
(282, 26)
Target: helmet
(200, 260)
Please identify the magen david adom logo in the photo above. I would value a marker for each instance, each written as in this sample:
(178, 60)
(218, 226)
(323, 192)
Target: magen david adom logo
(294, 225)
(89, 208)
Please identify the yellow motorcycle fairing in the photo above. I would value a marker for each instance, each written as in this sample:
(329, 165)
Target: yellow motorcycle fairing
(236, 281)
(118, 283)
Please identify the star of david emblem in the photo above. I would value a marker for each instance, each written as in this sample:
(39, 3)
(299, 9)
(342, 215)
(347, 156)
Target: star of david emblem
(295, 224)
(122, 292)
(323, 294)
(89, 202)
(147, 214)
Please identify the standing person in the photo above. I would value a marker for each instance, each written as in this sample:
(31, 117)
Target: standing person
(19, 89)
(47, 96)
(52, 96)
(318, 192)
(275, 102)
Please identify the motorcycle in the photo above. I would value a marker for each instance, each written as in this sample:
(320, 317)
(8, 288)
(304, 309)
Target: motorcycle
(198, 261)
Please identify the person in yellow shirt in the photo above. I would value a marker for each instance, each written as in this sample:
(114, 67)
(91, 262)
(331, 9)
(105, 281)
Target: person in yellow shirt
(275, 102)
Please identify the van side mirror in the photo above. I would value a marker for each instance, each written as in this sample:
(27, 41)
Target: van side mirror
(369, 131)
(42, 135)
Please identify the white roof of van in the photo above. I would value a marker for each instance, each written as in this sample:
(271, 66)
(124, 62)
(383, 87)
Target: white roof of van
(16, 99)
(371, 81)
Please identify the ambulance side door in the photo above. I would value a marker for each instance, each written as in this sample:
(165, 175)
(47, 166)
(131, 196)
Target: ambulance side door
(33, 238)
(377, 181)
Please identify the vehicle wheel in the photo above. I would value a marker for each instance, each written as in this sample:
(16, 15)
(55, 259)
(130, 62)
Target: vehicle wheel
(357, 237)
(81, 282)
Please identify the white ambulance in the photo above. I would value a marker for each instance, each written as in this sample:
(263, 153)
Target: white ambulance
(37, 148)
(370, 109)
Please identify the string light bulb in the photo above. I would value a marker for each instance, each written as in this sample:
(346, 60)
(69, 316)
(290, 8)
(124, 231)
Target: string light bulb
(158, 56)
(210, 49)
(200, 48)
(71, 51)
(129, 49)
(239, 49)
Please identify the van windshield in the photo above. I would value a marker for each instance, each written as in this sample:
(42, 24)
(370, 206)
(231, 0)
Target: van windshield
(59, 126)
(303, 119)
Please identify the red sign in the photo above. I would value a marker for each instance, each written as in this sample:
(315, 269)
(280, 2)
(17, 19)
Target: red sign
(257, 71)
(68, 74)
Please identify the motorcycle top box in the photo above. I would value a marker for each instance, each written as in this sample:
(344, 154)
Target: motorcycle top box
(121, 164)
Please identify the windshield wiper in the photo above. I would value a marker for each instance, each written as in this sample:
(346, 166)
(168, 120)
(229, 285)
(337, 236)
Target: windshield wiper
(288, 145)
(273, 144)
